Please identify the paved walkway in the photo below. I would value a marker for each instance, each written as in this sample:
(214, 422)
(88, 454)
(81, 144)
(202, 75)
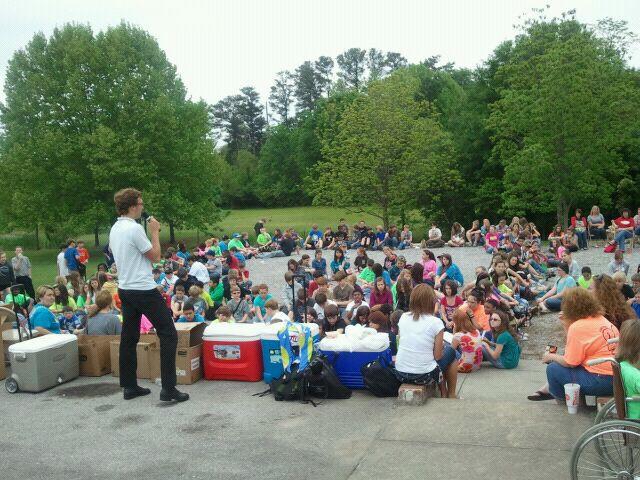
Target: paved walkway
(85, 430)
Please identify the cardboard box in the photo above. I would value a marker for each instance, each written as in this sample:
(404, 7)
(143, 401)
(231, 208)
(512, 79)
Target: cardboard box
(188, 364)
(95, 354)
(190, 333)
(143, 356)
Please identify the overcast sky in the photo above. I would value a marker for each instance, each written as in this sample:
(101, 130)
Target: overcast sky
(220, 46)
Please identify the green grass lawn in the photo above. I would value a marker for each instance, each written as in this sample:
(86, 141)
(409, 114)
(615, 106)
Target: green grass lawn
(301, 218)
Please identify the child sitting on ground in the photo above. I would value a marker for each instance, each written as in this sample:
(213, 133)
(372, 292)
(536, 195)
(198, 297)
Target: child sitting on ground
(177, 301)
(319, 264)
(467, 338)
(195, 296)
(505, 351)
(224, 315)
(273, 313)
(239, 307)
(259, 302)
(69, 321)
(189, 313)
(628, 354)
(585, 279)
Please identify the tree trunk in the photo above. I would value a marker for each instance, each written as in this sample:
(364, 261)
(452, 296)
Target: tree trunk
(172, 233)
(96, 236)
(562, 213)
(37, 237)
(385, 216)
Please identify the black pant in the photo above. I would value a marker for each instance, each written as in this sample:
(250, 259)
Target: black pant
(82, 270)
(28, 285)
(135, 303)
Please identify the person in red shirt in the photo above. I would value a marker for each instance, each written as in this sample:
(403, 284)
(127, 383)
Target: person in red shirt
(624, 228)
(83, 260)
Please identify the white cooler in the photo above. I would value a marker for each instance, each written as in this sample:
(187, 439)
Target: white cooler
(42, 363)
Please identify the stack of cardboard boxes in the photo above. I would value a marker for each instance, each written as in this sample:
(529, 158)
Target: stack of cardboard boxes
(188, 355)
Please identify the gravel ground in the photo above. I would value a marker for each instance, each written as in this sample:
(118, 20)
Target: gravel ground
(545, 329)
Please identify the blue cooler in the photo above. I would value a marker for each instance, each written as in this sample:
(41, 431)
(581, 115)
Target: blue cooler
(271, 357)
(348, 364)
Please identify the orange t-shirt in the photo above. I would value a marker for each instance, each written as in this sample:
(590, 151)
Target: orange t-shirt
(480, 317)
(587, 340)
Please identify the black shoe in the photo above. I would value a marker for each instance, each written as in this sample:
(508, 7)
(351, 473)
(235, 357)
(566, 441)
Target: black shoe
(173, 394)
(131, 393)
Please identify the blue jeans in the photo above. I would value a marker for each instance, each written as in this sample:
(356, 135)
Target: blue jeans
(553, 304)
(449, 355)
(621, 237)
(582, 239)
(497, 363)
(637, 231)
(403, 245)
(590, 383)
(390, 242)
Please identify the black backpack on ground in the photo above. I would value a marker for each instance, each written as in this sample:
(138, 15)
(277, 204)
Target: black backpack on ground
(323, 380)
(379, 378)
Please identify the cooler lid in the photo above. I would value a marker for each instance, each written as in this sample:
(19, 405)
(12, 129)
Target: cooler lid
(249, 331)
(42, 343)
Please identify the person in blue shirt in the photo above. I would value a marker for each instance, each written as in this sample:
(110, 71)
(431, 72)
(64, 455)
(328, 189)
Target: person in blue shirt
(223, 243)
(189, 314)
(319, 264)
(379, 271)
(448, 270)
(41, 317)
(72, 256)
(314, 239)
(552, 300)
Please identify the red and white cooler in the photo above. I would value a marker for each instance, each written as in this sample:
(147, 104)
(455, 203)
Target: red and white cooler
(232, 351)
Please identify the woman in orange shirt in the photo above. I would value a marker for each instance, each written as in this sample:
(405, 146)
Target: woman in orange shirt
(587, 334)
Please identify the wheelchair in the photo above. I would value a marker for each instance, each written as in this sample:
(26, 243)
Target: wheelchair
(610, 449)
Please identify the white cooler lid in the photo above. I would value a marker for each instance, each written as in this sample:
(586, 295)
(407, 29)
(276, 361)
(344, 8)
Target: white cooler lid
(244, 331)
(42, 343)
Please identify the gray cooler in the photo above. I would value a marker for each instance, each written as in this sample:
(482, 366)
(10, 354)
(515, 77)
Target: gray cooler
(42, 363)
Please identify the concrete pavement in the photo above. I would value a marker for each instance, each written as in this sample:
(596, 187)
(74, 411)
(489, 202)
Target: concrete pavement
(85, 429)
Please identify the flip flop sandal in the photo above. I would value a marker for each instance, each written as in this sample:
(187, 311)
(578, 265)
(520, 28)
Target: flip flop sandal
(540, 396)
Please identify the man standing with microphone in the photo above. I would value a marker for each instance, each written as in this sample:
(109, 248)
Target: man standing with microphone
(134, 253)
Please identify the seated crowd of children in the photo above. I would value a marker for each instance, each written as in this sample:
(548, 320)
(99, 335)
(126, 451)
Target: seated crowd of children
(480, 320)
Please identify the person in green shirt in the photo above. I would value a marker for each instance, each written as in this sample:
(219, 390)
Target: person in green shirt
(505, 352)
(367, 273)
(62, 299)
(21, 299)
(236, 242)
(585, 279)
(264, 240)
(628, 354)
(216, 290)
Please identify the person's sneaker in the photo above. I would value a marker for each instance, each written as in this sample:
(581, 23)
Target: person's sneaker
(173, 394)
(131, 393)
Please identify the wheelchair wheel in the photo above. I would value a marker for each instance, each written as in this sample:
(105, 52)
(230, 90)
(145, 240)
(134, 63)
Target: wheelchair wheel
(607, 412)
(608, 450)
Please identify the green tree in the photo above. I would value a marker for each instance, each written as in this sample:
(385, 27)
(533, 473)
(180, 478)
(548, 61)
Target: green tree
(308, 91)
(228, 121)
(385, 142)
(352, 66)
(324, 73)
(281, 97)
(87, 115)
(251, 112)
(569, 107)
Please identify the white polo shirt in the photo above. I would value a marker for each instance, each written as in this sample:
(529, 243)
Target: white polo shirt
(129, 243)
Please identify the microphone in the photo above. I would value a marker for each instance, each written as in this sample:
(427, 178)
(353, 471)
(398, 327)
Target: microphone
(145, 216)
